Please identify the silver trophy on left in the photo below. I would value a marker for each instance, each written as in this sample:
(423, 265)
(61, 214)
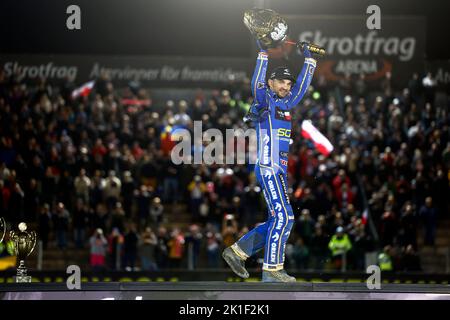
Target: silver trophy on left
(24, 243)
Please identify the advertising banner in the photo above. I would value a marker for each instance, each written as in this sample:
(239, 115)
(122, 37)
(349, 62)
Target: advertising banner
(149, 71)
(351, 48)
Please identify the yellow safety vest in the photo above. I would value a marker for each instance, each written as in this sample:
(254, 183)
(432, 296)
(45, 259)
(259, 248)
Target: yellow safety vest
(385, 262)
(339, 246)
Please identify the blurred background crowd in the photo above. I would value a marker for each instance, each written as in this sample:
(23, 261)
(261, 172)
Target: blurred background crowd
(95, 174)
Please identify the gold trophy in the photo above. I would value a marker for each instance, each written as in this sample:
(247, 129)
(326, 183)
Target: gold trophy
(271, 30)
(267, 26)
(24, 243)
(2, 229)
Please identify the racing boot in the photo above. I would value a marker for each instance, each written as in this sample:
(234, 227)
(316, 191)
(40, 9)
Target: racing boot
(277, 276)
(235, 261)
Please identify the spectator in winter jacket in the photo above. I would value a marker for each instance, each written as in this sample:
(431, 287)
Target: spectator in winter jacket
(98, 246)
(147, 246)
(428, 214)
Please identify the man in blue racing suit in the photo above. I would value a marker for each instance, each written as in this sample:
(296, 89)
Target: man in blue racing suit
(271, 114)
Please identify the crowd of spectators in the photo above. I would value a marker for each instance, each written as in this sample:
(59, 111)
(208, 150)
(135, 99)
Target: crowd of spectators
(96, 172)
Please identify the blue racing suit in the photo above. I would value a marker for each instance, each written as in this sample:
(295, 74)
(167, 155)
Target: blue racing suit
(272, 119)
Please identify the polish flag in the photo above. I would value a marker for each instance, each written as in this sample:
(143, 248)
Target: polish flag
(84, 90)
(322, 144)
(365, 216)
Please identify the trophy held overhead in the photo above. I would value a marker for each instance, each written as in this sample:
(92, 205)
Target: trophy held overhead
(271, 30)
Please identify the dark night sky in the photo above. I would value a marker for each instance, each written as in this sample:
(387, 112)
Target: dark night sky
(179, 27)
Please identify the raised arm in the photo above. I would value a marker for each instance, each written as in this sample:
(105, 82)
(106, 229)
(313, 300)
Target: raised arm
(258, 110)
(303, 81)
(258, 83)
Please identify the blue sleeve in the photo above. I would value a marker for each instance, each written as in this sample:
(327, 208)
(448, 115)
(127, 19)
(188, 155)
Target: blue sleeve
(258, 83)
(303, 81)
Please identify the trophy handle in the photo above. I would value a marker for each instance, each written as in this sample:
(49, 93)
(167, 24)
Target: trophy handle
(33, 239)
(2, 229)
(12, 235)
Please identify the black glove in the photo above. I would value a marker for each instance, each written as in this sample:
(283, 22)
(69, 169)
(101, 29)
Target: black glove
(255, 115)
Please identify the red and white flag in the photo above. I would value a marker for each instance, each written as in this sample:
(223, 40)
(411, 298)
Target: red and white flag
(287, 115)
(84, 90)
(322, 144)
(365, 216)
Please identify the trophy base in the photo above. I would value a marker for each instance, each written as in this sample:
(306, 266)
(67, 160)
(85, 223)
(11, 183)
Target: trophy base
(23, 279)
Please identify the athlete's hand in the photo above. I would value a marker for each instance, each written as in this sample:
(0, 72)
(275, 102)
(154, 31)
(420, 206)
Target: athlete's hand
(304, 48)
(311, 50)
(256, 114)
